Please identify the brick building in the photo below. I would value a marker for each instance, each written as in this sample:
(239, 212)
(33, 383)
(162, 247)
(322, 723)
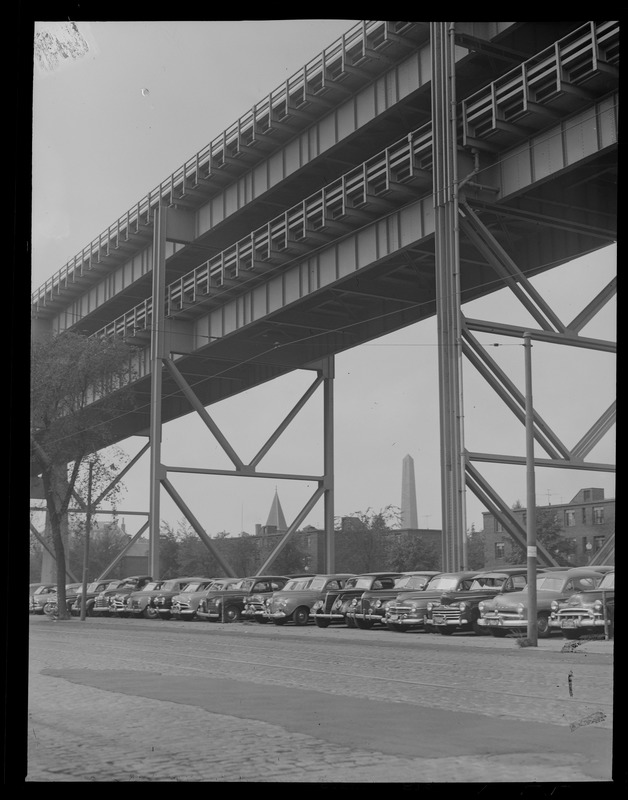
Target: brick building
(588, 520)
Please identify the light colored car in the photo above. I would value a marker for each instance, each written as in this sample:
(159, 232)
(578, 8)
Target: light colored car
(186, 603)
(588, 611)
(142, 603)
(294, 602)
(38, 597)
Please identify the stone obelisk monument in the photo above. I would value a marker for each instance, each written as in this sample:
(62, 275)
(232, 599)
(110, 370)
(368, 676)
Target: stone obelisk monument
(409, 516)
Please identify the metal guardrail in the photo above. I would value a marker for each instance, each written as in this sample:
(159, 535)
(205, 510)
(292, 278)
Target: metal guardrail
(344, 57)
(358, 194)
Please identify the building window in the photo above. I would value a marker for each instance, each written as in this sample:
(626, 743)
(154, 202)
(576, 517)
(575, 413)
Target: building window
(598, 516)
(570, 519)
(525, 518)
(499, 528)
(584, 516)
(500, 549)
(598, 542)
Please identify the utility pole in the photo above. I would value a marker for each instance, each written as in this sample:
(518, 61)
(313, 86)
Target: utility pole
(88, 529)
(531, 494)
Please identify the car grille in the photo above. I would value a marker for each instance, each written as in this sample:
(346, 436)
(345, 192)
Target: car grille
(448, 613)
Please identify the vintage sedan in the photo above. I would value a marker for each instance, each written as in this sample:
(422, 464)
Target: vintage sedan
(227, 605)
(107, 601)
(141, 604)
(92, 591)
(409, 610)
(591, 611)
(185, 604)
(162, 602)
(459, 611)
(71, 592)
(38, 597)
(370, 609)
(294, 602)
(334, 607)
(508, 613)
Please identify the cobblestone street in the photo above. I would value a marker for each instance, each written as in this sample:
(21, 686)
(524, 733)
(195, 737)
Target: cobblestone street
(116, 700)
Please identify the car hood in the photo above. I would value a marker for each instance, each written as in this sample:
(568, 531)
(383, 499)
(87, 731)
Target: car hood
(513, 599)
(589, 597)
(411, 597)
(299, 594)
(446, 598)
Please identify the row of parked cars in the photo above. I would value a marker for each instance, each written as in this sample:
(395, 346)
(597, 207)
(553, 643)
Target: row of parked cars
(572, 602)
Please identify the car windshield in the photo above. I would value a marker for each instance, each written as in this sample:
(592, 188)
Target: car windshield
(608, 581)
(196, 586)
(245, 583)
(411, 582)
(318, 584)
(150, 587)
(171, 586)
(445, 582)
(297, 585)
(45, 590)
(490, 581)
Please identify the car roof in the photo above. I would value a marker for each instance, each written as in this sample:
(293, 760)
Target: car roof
(575, 571)
(335, 575)
(377, 574)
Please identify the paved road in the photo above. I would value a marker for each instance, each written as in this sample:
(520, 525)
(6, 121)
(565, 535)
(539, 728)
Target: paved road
(142, 700)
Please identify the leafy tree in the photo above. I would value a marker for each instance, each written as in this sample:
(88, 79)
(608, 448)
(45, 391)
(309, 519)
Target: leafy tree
(361, 541)
(548, 534)
(292, 558)
(68, 373)
(409, 552)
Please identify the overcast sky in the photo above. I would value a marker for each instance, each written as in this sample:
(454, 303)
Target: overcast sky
(127, 106)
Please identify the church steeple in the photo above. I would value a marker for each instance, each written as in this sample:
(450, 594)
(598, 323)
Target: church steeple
(276, 518)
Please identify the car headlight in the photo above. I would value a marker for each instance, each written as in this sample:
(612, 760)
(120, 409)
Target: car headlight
(430, 606)
(318, 604)
(462, 606)
(337, 605)
(378, 604)
(413, 607)
(521, 610)
(598, 606)
(354, 602)
(554, 605)
(481, 606)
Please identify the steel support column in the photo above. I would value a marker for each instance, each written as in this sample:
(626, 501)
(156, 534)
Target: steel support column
(157, 353)
(328, 466)
(447, 263)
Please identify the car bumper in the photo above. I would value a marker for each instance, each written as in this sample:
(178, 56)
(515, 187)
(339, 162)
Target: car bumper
(368, 617)
(405, 620)
(329, 617)
(577, 623)
(499, 622)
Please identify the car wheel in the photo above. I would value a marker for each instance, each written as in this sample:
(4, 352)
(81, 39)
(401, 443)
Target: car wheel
(279, 622)
(498, 633)
(301, 615)
(364, 624)
(542, 626)
(231, 614)
(445, 631)
(321, 623)
(394, 626)
(150, 613)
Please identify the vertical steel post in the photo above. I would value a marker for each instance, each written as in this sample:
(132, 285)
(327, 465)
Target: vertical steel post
(157, 354)
(328, 469)
(530, 493)
(447, 266)
(88, 530)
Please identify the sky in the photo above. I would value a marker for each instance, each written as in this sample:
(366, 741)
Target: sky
(130, 104)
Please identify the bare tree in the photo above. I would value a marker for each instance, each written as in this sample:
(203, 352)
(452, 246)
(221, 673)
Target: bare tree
(79, 385)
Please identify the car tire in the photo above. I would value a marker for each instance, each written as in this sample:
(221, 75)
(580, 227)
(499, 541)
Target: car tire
(321, 623)
(231, 614)
(498, 633)
(301, 615)
(543, 629)
(364, 624)
(150, 613)
(394, 626)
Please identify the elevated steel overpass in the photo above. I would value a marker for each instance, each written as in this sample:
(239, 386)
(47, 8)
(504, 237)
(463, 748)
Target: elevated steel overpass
(409, 168)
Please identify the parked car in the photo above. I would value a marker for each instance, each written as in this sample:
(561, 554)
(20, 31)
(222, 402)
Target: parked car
(107, 601)
(294, 602)
(186, 603)
(227, 605)
(92, 591)
(38, 597)
(588, 611)
(409, 610)
(459, 611)
(333, 608)
(508, 613)
(162, 602)
(370, 609)
(71, 592)
(142, 603)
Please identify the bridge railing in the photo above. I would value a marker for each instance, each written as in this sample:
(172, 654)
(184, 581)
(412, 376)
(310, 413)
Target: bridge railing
(558, 77)
(289, 103)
